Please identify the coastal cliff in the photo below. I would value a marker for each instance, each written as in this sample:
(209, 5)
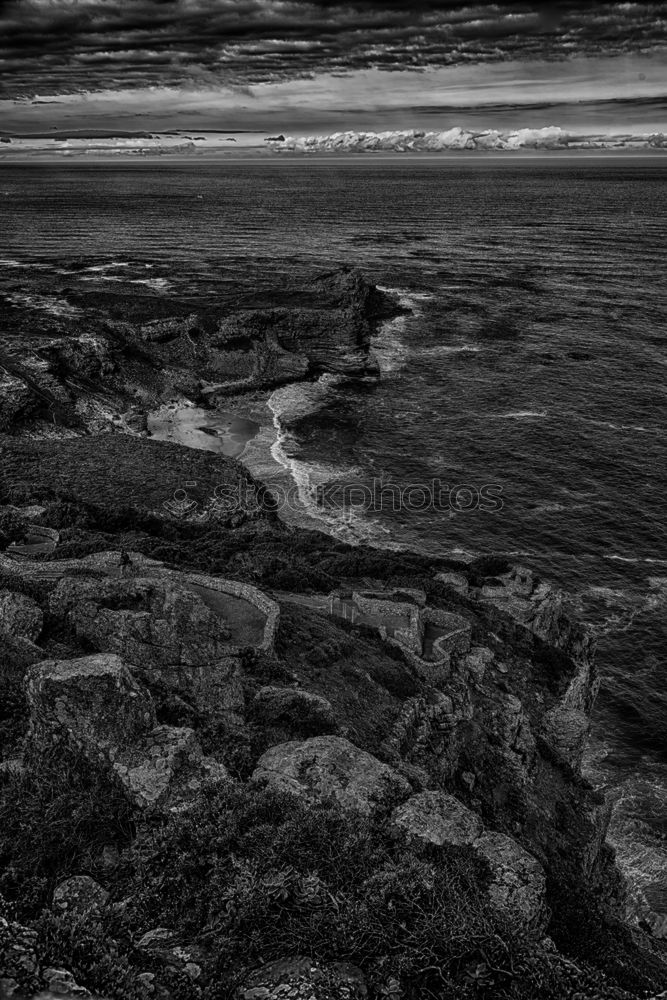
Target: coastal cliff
(100, 353)
(213, 785)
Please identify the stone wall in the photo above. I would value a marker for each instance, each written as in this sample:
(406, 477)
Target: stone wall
(108, 562)
(412, 635)
(457, 631)
(246, 592)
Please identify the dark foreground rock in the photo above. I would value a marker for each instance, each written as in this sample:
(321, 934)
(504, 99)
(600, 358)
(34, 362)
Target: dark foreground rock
(329, 768)
(95, 705)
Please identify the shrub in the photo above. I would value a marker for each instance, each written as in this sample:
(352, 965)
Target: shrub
(55, 816)
(259, 876)
(102, 958)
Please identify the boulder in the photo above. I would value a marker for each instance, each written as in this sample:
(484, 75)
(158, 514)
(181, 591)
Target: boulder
(518, 884)
(331, 769)
(166, 630)
(20, 615)
(93, 700)
(96, 705)
(79, 894)
(166, 769)
(304, 979)
(456, 581)
(62, 983)
(309, 714)
(438, 818)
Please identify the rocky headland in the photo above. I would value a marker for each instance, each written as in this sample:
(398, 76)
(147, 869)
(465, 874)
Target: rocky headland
(244, 759)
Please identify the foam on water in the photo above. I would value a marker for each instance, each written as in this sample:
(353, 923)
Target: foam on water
(45, 303)
(388, 345)
(636, 831)
(157, 284)
(349, 525)
(112, 265)
(521, 414)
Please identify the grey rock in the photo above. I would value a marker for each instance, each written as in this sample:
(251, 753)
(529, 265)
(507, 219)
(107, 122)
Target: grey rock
(518, 886)
(20, 615)
(62, 983)
(166, 769)
(157, 938)
(96, 705)
(95, 700)
(79, 894)
(438, 818)
(331, 769)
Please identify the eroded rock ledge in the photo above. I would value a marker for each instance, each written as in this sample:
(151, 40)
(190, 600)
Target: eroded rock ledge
(109, 359)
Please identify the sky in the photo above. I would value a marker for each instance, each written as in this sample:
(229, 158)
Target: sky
(322, 65)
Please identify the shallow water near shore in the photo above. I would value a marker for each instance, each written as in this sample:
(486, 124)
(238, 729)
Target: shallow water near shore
(218, 431)
(534, 357)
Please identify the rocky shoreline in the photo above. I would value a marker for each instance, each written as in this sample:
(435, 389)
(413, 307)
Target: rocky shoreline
(152, 702)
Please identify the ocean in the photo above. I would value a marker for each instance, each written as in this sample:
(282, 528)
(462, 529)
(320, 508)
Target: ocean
(533, 363)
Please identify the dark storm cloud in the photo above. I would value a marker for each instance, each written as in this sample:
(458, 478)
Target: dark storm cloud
(65, 46)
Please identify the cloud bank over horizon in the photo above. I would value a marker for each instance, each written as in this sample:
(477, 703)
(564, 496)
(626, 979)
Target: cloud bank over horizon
(405, 141)
(321, 64)
(417, 141)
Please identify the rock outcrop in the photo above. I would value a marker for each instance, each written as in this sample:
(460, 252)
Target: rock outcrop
(164, 629)
(517, 887)
(537, 607)
(327, 329)
(331, 769)
(95, 704)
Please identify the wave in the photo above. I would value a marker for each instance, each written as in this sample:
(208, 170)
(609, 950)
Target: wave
(32, 265)
(299, 501)
(417, 141)
(636, 831)
(290, 403)
(45, 303)
(107, 267)
(157, 284)
(448, 349)
(639, 428)
(521, 414)
(624, 606)
(636, 559)
(407, 297)
(388, 347)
